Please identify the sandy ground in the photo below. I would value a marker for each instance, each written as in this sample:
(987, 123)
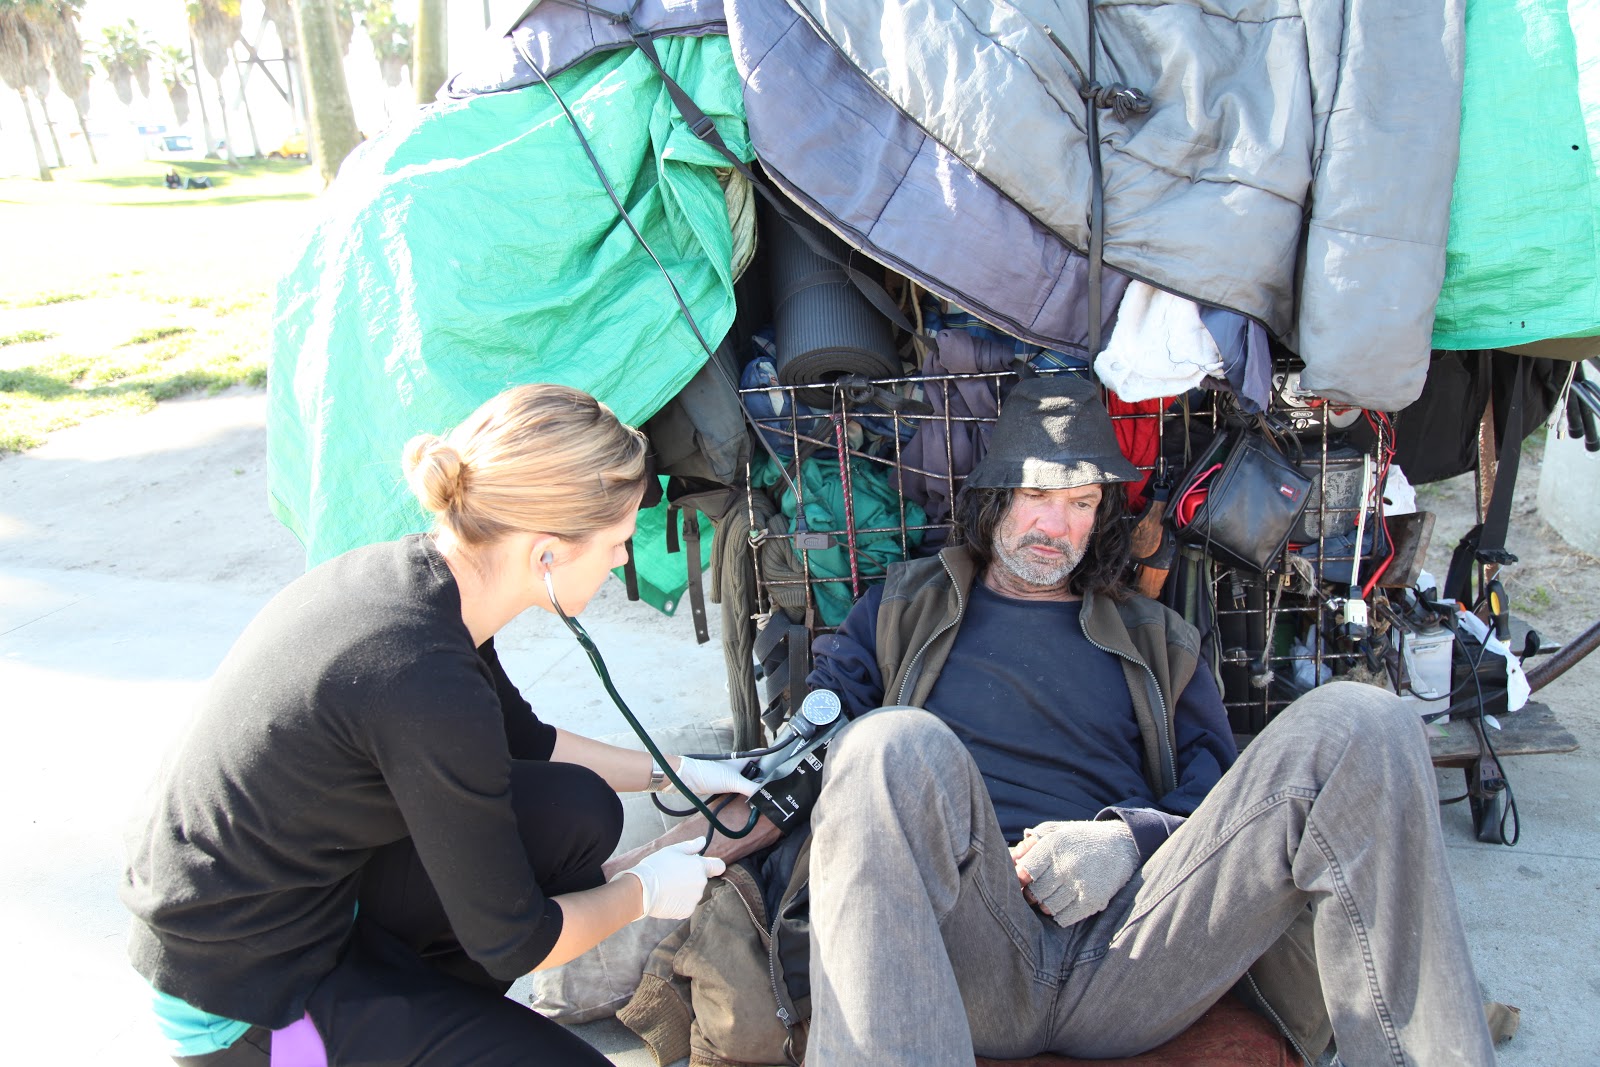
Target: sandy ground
(133, 550)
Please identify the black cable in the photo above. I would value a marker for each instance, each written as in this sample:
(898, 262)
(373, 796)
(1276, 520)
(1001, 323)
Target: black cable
(754, 753)
(617, 17)
(599, 663)
(1510, 813)
(683, 307)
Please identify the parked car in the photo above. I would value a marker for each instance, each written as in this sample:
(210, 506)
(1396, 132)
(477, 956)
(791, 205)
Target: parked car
(172, 144)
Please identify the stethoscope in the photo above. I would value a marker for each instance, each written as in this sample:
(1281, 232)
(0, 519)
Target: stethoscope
(599, 663)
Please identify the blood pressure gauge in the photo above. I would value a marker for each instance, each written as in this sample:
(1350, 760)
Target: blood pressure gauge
(818, 710)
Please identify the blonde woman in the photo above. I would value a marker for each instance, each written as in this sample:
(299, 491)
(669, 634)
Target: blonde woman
(367, 833)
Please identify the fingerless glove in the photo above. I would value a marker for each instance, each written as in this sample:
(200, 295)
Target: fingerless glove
(1077, 867)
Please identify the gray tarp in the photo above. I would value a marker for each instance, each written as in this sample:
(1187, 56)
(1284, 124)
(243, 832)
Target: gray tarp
(558, 35)
(1296, 165)
(888, 188)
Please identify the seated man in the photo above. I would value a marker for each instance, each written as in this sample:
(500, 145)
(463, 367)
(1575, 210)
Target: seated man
(1011, 870)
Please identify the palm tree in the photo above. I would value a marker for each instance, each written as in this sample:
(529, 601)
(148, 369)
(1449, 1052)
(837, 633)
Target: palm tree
(344, 18)
(66, 59)
(24, 51)
(125, 53)
(214, 26)
(41, 93)
(428, 72)
(281, 14)
(333, 119)
(391, 40)
(175, 76)
(80, 103)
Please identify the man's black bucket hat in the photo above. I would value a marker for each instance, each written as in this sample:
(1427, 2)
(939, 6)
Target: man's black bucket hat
(1053, 433)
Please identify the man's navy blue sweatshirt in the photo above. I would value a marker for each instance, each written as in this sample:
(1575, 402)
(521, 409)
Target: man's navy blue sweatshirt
(1045, 714)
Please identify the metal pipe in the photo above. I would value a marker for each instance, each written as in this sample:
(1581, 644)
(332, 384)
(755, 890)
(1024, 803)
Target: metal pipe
(1561, 662)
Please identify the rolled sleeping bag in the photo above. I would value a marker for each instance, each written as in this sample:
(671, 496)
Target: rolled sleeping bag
(825, 328)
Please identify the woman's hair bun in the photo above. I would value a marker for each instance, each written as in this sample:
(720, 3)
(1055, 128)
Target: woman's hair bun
(434, 471)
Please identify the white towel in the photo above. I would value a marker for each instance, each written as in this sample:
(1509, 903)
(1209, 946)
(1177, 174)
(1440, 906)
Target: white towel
(1159, 347)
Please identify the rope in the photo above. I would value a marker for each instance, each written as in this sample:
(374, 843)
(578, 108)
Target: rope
(842, 446)
(1121, 100)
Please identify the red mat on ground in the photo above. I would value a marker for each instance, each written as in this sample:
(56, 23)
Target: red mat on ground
(1229, 1035)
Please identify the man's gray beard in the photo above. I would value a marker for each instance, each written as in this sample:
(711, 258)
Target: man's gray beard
(1038, 573)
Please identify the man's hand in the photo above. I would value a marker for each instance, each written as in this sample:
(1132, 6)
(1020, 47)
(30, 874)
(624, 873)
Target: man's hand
(1071, 870)
(723, 848)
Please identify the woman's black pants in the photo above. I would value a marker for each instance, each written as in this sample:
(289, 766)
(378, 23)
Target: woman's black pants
(406, 993)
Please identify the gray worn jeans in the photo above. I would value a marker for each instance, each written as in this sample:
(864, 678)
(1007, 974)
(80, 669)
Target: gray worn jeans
(924, 951)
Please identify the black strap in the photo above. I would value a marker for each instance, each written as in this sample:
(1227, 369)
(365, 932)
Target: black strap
(1583, 410)
(697, 593)
(1486, 542)
(1497, 519)
(1097, 204)
(799, 637)
(630, 573)
(594, 161)
(701, 125)
(1124, 102)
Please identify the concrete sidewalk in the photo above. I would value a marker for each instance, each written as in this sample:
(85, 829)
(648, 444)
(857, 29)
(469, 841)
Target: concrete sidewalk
(133, 551)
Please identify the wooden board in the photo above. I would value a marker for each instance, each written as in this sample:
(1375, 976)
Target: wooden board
(1411, 535)
(1532, 731)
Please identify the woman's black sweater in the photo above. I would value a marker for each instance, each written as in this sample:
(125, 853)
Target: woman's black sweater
(352, 712)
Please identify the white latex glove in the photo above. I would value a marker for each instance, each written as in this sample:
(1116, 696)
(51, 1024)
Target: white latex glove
(673, 879)
(1073, 869)
(711, 777)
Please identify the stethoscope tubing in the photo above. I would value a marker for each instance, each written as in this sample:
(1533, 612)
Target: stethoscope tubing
(599, 664)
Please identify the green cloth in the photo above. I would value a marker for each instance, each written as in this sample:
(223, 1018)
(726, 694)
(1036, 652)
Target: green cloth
(1523, 262)
(663, 576)
(878, 522)
(471, 248)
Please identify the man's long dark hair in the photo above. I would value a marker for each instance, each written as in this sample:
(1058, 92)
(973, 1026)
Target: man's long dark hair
(977, 517)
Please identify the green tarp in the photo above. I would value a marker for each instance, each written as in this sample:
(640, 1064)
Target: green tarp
(879, 515)
(1523, 262)
(474, 248)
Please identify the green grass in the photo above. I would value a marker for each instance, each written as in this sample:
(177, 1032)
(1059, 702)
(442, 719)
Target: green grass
(23, 337)
(240, 305)
(160, 333)
(204, 276)
(60, 392)
(129, 184)
(46, 299)
(220, 201)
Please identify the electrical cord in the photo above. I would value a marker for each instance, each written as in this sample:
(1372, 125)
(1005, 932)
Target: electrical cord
(1386, 452)
(683, 306)
(1510, 814)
